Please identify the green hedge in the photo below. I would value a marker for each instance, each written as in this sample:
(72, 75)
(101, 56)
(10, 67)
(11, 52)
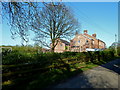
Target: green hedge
(49, 67)
(17, 57)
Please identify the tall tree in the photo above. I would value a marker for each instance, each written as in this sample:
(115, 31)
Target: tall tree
(20, 15)
(49, 21)
(54, 21)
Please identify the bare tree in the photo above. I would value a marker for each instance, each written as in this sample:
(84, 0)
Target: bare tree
(20, 16)
(49, 21)
(54, 21)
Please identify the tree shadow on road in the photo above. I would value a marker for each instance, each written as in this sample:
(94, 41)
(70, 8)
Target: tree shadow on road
(101, 60)
(80, 82)
(113, 65)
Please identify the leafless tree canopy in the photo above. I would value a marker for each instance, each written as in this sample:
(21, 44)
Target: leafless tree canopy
(54, 21)
(20, 17)
(49, 21)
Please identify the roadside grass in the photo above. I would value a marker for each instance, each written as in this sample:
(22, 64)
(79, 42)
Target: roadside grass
(58, 75)
(46, 69)
(47, 79)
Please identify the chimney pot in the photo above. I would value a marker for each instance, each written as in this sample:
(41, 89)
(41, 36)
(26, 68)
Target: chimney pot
(94, 35)
(76, 33)
(85, 31)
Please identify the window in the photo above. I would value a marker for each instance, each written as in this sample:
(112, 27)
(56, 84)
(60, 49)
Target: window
(86, 41)
(93, 41)
(75, 46)
(79, 41)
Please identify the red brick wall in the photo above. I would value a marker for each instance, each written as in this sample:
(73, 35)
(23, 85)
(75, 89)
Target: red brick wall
(80, 41)
(94, 43)
(60, 47)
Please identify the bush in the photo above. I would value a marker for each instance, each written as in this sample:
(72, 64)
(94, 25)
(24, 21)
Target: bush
(83, 57)
(5, 51)
(107, 55)
(16, 57)
(68, 54)
(19, 56)
(48, 67)
(118, 50)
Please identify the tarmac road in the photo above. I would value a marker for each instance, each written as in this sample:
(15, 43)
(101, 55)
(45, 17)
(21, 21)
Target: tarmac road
(104, 76)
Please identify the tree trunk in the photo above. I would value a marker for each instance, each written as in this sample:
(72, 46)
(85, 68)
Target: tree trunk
(53, 45)
(52, 49)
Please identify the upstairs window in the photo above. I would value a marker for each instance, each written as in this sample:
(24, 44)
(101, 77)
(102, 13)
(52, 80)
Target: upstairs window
(86, 41)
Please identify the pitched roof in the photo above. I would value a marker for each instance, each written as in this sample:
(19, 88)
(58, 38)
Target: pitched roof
(89, 36)
(64, 41)
(101, 41)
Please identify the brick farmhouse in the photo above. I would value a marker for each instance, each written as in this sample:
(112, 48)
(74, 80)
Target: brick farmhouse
(62, 46)
(80, 43)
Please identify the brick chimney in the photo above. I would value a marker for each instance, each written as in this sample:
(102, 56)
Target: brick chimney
(94, 35)
(76, 33)
(85, 31)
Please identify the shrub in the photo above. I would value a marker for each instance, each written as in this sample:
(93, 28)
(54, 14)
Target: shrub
(118, 50)
(83, 57)
(16, 57)
(5, 51)
(107, 55)
(68, 54)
